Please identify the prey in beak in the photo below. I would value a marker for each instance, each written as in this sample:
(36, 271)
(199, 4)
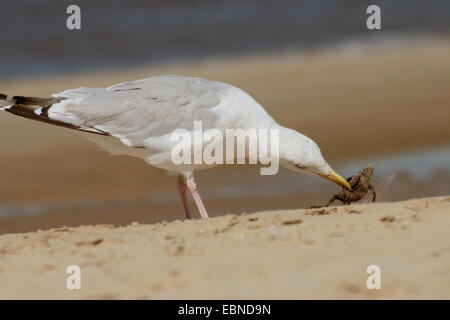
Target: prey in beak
(336, 178)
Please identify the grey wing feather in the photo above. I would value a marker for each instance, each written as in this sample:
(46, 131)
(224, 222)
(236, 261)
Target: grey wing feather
(135, 111)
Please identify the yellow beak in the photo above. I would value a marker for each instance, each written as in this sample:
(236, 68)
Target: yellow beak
(334, 177)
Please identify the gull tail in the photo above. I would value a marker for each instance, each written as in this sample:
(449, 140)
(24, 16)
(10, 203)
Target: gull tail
(35, 109)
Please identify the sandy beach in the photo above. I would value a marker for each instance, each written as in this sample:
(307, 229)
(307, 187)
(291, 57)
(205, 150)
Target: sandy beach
(294, 254)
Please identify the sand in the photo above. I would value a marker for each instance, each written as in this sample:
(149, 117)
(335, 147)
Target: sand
(296, 254)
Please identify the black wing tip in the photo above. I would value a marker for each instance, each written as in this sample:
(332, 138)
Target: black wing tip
(28, 101)
(37, 109)
(29, 112)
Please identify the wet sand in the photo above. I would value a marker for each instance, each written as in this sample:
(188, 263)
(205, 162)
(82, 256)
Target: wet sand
(294, 254)
(365, 102)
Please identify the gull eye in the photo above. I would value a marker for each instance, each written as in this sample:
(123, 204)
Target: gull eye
(301, 166)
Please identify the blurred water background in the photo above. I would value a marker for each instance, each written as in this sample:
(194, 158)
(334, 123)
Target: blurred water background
(116, 33)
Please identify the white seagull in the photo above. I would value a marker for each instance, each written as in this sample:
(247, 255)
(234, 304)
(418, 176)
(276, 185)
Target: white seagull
(137, 119)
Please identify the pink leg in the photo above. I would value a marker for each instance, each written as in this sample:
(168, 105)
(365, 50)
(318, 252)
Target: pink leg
(181, 187)
(192, 186)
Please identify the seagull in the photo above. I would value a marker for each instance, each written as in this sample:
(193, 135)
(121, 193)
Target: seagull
(137, 119)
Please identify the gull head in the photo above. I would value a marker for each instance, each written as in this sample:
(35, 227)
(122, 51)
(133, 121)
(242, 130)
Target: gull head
(301, 154)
